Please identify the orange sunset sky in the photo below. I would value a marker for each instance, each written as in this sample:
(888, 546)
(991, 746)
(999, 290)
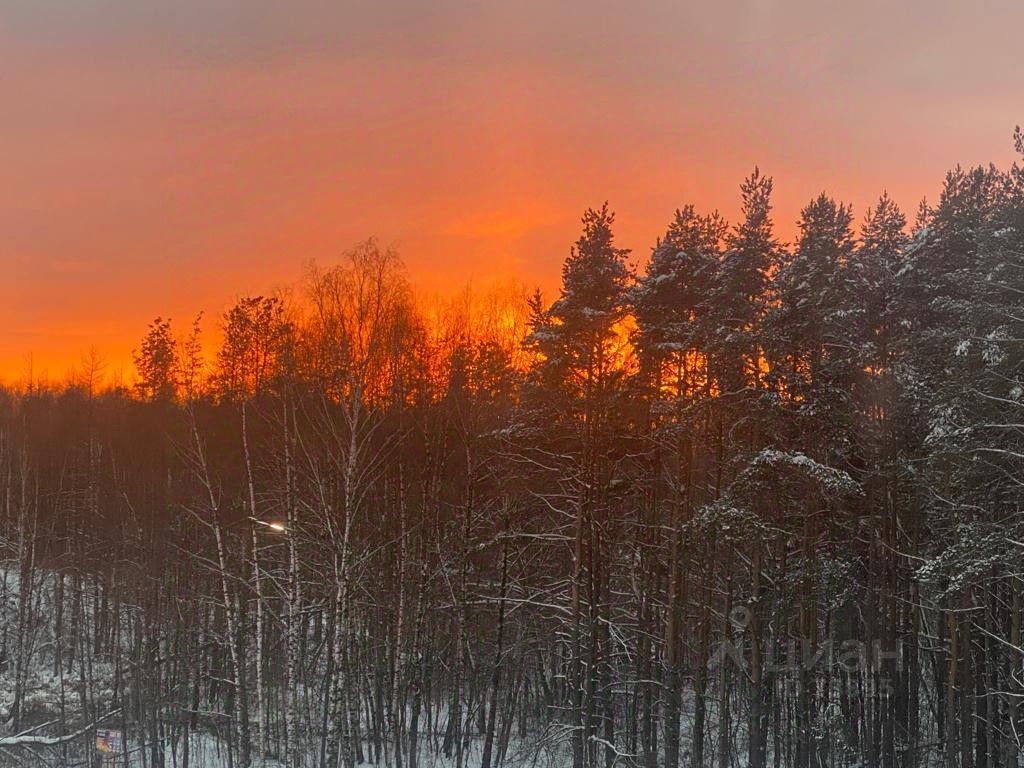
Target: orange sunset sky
(168, 157)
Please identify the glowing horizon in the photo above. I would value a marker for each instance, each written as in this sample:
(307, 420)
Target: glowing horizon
(167, 160)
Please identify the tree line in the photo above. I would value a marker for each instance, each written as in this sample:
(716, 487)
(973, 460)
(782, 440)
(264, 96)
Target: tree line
(749, 503)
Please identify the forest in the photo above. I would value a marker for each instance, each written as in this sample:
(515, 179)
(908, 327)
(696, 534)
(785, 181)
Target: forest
(730, 503)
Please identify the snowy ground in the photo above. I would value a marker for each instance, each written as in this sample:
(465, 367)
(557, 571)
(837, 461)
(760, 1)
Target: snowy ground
(208, 752)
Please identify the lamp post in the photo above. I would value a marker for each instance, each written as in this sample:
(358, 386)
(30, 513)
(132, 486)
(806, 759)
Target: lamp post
(258, 583)
(233, 621)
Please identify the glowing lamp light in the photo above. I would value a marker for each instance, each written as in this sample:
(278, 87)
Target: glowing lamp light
(274, 526)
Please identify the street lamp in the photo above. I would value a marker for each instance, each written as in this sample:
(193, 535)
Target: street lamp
(274, 526)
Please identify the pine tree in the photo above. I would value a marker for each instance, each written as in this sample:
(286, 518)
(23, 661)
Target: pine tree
(577, 379)
(735, 310)
(576, 338)
(669, 304)
(670, 300)
(962, 362)
(738, 296)
(811, 318)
